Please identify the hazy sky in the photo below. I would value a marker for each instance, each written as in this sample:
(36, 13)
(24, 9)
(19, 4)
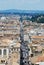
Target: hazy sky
(22, 4)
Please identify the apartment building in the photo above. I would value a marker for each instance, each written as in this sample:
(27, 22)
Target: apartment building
(9, 41)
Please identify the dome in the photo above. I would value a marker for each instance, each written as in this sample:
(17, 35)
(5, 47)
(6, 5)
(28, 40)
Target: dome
(3, 18)
(32, 31)
(12, 43)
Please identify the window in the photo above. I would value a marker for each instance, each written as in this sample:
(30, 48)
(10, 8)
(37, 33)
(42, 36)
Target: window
(36, 64)
(0, 51)
(4, 51)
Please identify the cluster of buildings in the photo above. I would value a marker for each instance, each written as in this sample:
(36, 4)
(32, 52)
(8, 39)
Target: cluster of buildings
(35, 32)
(10, 41)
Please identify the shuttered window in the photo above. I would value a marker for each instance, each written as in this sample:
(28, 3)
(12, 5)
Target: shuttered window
(4, 52)
(0, 51)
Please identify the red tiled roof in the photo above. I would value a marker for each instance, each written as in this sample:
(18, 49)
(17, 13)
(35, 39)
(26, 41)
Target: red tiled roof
(40, 59)
(38, 36)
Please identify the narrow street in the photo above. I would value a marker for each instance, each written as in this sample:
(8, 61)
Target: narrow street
(24, 53)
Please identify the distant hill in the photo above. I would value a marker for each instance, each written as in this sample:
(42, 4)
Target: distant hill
(21, 11)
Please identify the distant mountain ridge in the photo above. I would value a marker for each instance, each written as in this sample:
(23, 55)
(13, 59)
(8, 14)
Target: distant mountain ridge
(21, 11)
